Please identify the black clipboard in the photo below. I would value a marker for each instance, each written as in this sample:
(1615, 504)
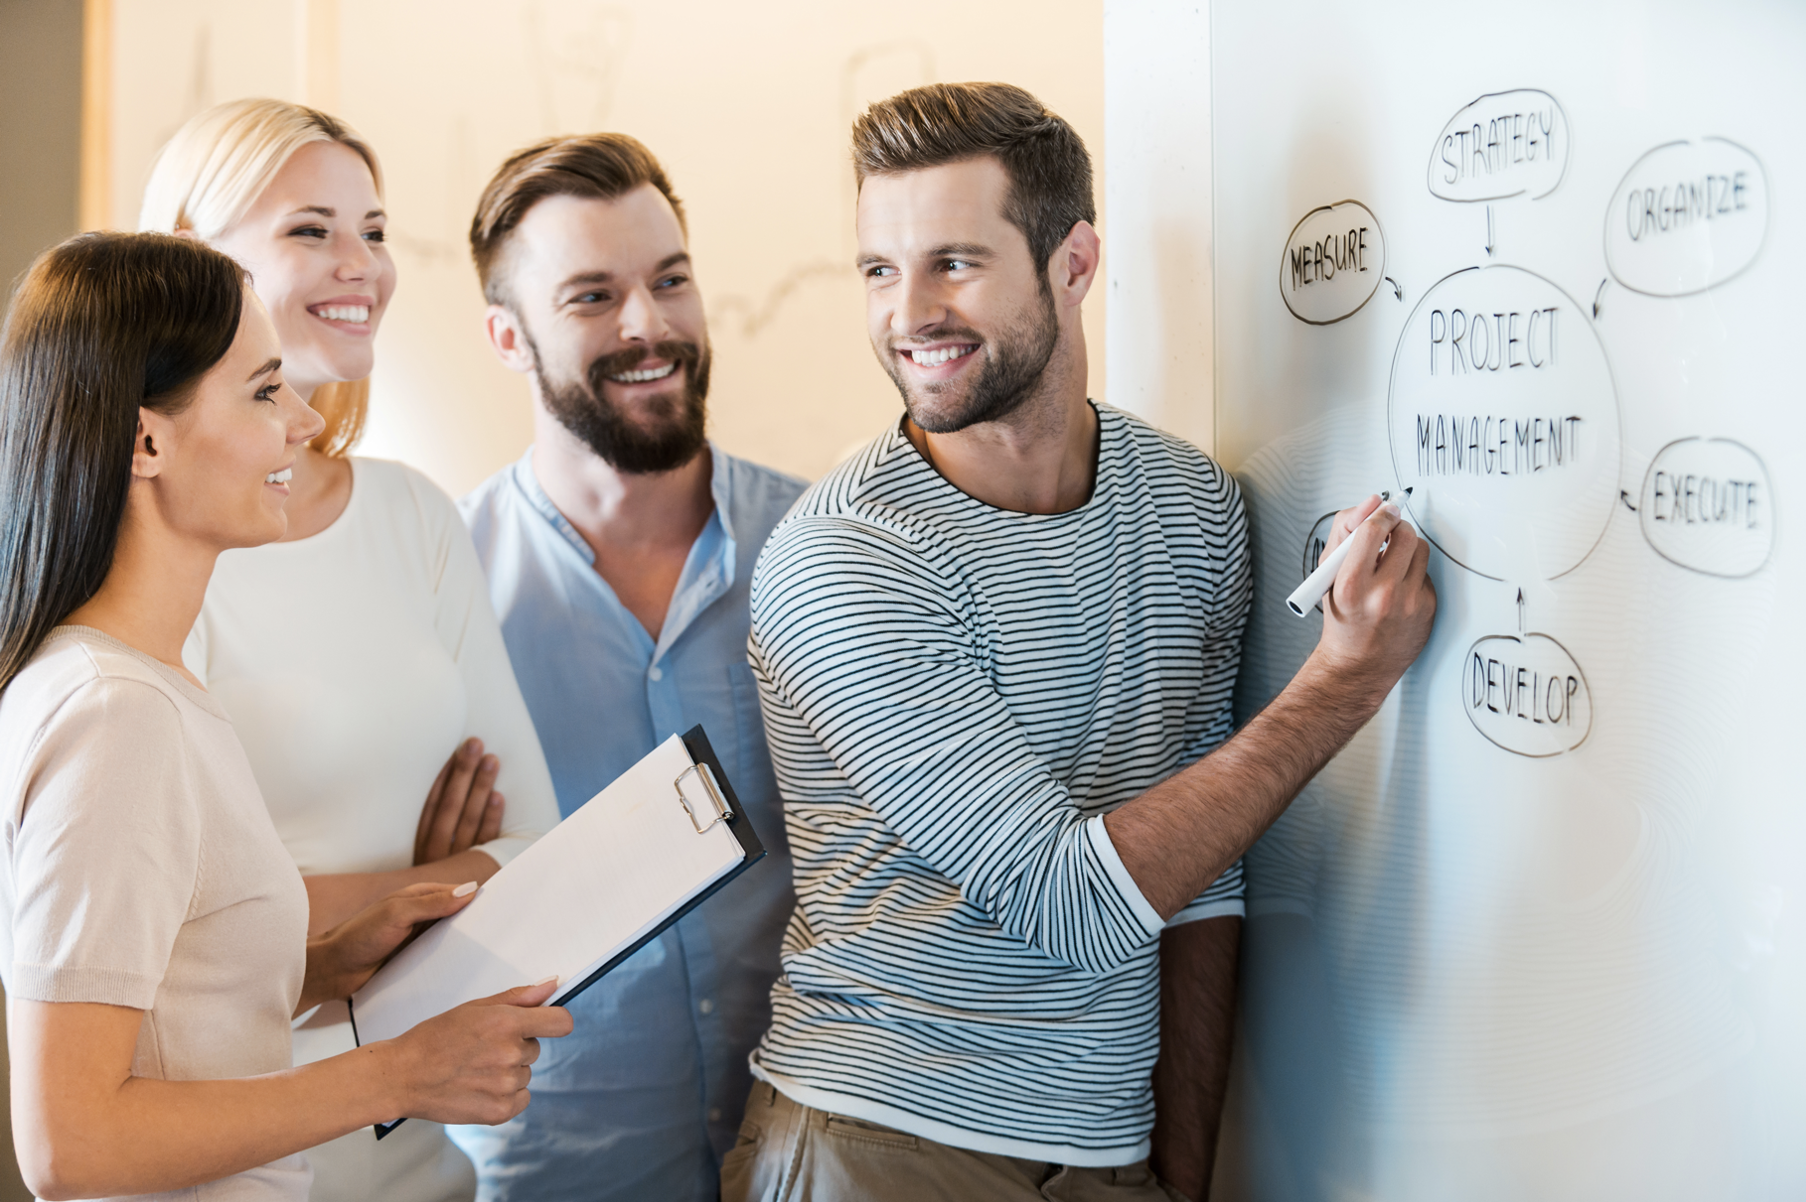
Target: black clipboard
(707, 794)
(734, 817)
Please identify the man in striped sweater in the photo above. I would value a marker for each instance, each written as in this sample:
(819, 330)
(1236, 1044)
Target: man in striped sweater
(995, 652)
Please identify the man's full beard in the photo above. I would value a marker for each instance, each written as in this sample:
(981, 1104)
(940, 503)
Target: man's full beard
(1014, 363)
(678, 417)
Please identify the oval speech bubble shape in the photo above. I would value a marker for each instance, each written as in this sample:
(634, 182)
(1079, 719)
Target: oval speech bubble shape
(1502, 145)
(1707, 506)
(1333, 263)
(1526, 694)
(1504, 422)
(1315, 543)
(1687, 217)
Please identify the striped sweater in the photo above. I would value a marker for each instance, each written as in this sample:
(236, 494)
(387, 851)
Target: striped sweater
(954, 696)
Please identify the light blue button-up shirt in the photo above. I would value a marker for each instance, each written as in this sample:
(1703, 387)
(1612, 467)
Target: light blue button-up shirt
(644, 1097)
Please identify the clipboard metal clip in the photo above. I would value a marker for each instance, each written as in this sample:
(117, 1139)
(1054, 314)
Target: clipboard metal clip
(718, 807)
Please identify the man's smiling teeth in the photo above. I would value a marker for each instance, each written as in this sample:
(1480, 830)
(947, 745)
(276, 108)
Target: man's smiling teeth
(640, 377)
(940, 355)
(355, 313)
(281, 477)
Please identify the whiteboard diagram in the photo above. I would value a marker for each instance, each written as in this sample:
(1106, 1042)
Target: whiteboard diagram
(1538, 931)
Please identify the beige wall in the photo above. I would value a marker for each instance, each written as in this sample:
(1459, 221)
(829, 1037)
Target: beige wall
(40, 128)
(748, 106)
(40, 125)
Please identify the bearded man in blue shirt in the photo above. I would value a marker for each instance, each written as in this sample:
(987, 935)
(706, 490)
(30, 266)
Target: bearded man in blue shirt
(619, 550)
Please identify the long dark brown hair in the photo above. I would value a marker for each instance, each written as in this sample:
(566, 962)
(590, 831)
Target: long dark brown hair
(101, 326)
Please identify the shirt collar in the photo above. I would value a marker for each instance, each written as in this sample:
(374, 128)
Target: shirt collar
(713, 560)
(721, 491)
(528, 484)
(721, 487)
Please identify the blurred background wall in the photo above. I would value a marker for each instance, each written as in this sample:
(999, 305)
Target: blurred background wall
(747, 105)
(40, 177)
(40, 128)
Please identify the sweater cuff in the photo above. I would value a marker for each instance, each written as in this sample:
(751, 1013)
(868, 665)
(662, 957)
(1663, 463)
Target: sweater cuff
(108, 986)
(506, 848)
(1143, 911)
(1226, 907)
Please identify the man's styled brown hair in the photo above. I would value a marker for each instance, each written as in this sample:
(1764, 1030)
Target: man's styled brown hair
(1048, 166)
(602, 166)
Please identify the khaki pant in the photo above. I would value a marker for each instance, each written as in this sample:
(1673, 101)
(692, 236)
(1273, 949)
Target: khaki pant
(791, 1153)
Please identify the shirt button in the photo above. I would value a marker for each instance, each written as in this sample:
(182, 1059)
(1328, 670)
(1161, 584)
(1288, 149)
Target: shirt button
(655, 674)
(706, 1005)
(714, 1114)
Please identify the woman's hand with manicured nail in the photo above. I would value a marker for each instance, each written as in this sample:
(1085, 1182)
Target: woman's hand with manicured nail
(342, 959)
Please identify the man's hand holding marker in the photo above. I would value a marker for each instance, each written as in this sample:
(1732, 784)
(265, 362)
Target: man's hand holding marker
(1378, 600)
(1306, 595)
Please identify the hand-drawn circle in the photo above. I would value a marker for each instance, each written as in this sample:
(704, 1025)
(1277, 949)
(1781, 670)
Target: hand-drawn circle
(1332, 263)
(1526, 694)
(1707, 505)
(1314, 544)
(1510, 441)
(1686, 217)
(1519, 139)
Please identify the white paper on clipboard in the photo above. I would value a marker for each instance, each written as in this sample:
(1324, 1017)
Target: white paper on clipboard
(583, 897)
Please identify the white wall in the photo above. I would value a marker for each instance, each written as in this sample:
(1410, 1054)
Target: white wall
(1494, 953)
(748, 106)
(1157, 124)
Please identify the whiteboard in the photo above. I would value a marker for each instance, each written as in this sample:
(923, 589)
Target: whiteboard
(1537, 933)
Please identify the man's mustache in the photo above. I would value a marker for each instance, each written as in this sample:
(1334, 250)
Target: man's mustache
(684, 354)
(941, 334)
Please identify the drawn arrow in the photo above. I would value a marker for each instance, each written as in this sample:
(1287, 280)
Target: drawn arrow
(1396, 290)
(1520, 611)
(1625, 497)
(1489, 245)
(1598, 293)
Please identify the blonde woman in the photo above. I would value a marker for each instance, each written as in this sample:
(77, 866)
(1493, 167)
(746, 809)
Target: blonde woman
(359, 651)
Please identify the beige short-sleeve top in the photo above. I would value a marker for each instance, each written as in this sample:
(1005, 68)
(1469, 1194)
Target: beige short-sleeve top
(141, 869)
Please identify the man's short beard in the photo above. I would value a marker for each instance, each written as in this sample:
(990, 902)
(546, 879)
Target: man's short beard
(679, 416)
(1015, 362)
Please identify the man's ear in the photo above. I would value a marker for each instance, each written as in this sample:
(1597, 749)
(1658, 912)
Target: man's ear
(156, 435)
(1074, 266)
(508, 339)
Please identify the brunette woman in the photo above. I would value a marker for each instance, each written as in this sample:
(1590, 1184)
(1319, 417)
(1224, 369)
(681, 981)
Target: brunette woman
(155, 928)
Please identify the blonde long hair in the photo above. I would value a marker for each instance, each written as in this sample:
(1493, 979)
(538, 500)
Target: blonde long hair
(213, 170)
